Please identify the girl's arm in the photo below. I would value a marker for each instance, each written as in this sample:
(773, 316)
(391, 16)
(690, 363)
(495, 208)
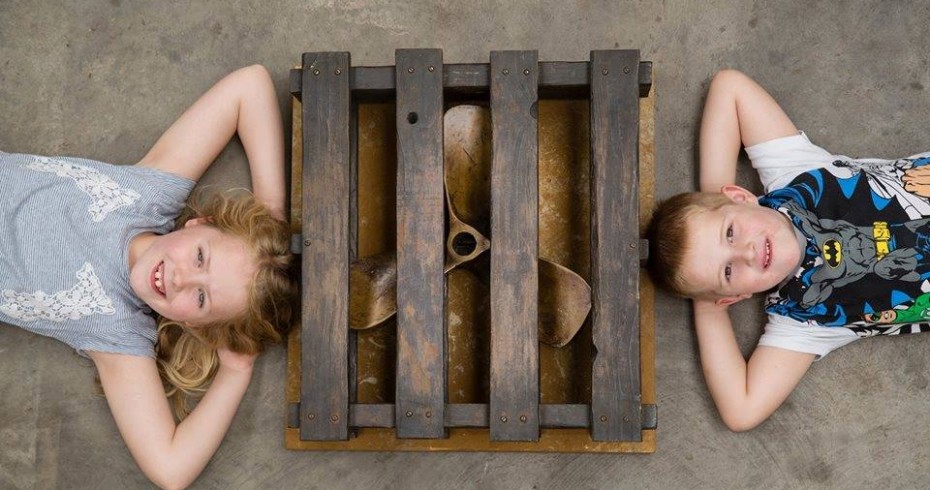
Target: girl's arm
(243, 102)
(172, 456)
(745, 393)
(737, 112)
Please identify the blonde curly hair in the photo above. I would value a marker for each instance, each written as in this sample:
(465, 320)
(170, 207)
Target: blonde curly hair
(187, 357)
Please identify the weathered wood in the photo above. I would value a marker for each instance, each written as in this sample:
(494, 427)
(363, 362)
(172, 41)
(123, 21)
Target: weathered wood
(515, 231)
(421, 333)
(459, 415)
(324, 397)
(556, 80)
(616, 396)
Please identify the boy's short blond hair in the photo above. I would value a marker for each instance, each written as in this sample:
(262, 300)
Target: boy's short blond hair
(668, 238)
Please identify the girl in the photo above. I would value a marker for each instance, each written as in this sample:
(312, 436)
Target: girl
(87, 257)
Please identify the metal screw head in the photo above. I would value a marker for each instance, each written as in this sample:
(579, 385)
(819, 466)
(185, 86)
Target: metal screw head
(626, 419)
(431, 68)
(410, 70)
(310, 416)
(626, 69)
(316, 72)
(306, 243)
(504, 419)
(604, 71)
(526, 71)
(334, 418)
(409, 413)
(338, 71)
(632, 244)
(603, 418)
(506, 71)
(428, 414)
(523, 418)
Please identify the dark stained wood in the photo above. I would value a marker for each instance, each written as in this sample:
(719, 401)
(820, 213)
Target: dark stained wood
(460, 415)
(324, 336)
(514, 411)
(616, 396)
(556, 80)
(421, 331)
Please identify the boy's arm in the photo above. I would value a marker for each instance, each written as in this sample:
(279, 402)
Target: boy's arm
(745, 393)
(737, 112)
(243, 102)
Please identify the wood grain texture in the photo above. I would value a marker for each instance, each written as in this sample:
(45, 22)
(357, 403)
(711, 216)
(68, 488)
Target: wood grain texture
(616, 396)
(326, 172)
(421, 331)
(515, 231)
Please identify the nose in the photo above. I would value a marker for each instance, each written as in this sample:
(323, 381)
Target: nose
(747, 253)
(185, 277)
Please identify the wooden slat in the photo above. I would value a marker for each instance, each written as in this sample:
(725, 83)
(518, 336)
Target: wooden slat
(459, 415)
(325, 260)
(420, 280)
(515, 231)
(616, 395)
(556, 78)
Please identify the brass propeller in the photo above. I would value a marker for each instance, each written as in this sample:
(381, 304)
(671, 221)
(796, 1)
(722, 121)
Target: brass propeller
(564, 296)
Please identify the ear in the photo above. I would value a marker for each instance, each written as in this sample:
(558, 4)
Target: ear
(196, 222)
(729, 300)
(737, 194)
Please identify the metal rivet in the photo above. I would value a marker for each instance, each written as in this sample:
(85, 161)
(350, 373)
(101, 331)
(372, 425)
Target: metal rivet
(431, 68)
(633, 245)
(523, 418)
(409, 413)
(526, 72)
(626, 419)
(506, 71)
(316, 72)
(306, 243)
(428, 414)
(626, 69)
(310, 416)
(603, 418)
(604, 71)
(338, 71)
(504, 419)
(334, 418)
(410, 70)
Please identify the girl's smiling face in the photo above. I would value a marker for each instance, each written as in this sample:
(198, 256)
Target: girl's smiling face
(195, 275)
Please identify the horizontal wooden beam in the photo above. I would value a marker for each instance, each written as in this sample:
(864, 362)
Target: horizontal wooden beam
(458, 415)
(556, 80)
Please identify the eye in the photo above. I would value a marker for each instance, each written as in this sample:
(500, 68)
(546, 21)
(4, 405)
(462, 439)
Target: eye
(730, 233)
(201, 297)
(199, 256)
(727, 272)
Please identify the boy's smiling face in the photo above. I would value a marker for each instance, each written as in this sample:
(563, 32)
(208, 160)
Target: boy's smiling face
(739, 249)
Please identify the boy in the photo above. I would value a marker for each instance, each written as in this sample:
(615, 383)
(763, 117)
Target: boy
(844, 243)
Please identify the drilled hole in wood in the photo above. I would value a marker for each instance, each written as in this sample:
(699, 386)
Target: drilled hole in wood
(464, 244)
(412, 118)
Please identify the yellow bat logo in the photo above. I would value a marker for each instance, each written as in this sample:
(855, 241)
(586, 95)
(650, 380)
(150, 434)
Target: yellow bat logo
(832, 252)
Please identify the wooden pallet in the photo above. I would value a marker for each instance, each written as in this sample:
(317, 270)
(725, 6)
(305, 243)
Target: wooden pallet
(341, 184)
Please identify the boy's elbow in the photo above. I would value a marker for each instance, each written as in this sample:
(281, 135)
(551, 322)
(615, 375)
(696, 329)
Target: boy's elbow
(741, 422)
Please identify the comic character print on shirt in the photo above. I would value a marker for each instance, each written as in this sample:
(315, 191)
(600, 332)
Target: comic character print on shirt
(85, 298)
(867, 246)
(107, 196)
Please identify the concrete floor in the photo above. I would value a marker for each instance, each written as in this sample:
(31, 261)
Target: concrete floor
(102, 79)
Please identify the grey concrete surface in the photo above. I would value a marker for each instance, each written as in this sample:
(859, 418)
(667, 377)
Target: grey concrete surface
(102, 79)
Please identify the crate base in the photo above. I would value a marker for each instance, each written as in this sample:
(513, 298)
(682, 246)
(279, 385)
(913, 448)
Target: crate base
(571, 440)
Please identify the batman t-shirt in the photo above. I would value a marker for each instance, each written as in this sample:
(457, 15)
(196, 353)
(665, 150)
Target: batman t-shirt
(866, 261)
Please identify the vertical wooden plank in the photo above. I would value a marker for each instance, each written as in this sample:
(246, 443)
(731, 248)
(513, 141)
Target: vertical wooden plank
(421, 335)
(514, 403)
(324, 402)
(616, 395)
